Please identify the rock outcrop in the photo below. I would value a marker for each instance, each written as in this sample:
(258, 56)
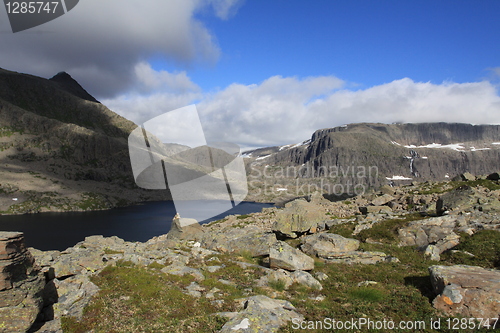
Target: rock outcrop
(21, 285)
(298, 217)
(467, 291)
(74, 148)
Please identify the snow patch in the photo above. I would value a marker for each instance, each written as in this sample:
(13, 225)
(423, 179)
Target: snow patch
(398, 178)
(279, 189)
(263, 157)
(454, 146)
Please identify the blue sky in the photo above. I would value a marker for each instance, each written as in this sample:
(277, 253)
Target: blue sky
(272, 72)
(363, 42)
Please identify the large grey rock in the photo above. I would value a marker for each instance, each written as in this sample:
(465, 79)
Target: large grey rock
(288, 278)
(382, 200)
(262, 314)
(461, 199)
(466, 176)
(375, 210)
(250, 238)
(323, 244)
(466, 291)
(360, 257)
(282, 255)
(298, 216)
(21, 284)
(74, 294)
(307, 279)
(423, 232)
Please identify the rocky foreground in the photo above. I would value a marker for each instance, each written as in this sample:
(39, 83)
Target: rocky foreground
(270, 257)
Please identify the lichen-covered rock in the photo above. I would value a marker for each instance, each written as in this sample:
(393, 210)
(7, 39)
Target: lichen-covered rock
(466, 291)
(282, 255)
(298, 216)
(323, 244)
(262, 314)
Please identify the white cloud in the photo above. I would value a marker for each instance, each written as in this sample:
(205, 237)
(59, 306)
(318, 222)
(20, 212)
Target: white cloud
(100, 42)
(284, 110)
(149, 79)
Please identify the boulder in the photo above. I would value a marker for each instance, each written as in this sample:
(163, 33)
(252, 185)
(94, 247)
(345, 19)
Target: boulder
(429, 231)
(262, 314)
(249, 238)
(493, 176)
(184, 229)
(298, 216)
(21, 284)
(307, 279)
(74, 294)
(466, 291)
(382, 200)
(375, 210)
(460, 199)
(288, 278)
(282, 255)
(360, 257)
(322, 245)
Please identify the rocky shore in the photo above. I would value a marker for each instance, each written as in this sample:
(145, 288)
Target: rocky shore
(271, 257)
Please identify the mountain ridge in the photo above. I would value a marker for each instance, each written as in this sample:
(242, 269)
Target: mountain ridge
(61, 152)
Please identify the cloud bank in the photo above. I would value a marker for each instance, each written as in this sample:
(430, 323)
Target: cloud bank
(100, 42)
(284, 110)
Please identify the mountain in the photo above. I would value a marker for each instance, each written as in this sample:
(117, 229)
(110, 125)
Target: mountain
(371, 155)
(60, 149)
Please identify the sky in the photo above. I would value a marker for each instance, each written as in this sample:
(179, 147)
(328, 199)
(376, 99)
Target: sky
(271, 72)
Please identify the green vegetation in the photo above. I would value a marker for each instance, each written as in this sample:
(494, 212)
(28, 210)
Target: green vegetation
(387, 230)
(278, 285)
(484, 246)
(6, 131)
(136, 299)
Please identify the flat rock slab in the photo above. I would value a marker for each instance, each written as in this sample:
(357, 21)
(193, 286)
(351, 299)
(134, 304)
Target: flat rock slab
(323, 244)
(468, 291)
(262, 314)
(282, 255)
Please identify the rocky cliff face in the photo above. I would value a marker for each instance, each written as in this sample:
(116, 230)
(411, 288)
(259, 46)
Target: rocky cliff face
(378, 154)
(62, 150)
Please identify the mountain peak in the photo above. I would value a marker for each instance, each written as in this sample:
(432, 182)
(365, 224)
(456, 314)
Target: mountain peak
(68, 84)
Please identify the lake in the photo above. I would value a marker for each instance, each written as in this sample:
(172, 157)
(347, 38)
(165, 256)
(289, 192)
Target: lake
(58, 231)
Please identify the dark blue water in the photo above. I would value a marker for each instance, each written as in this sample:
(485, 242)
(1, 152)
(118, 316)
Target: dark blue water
(58, 231)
